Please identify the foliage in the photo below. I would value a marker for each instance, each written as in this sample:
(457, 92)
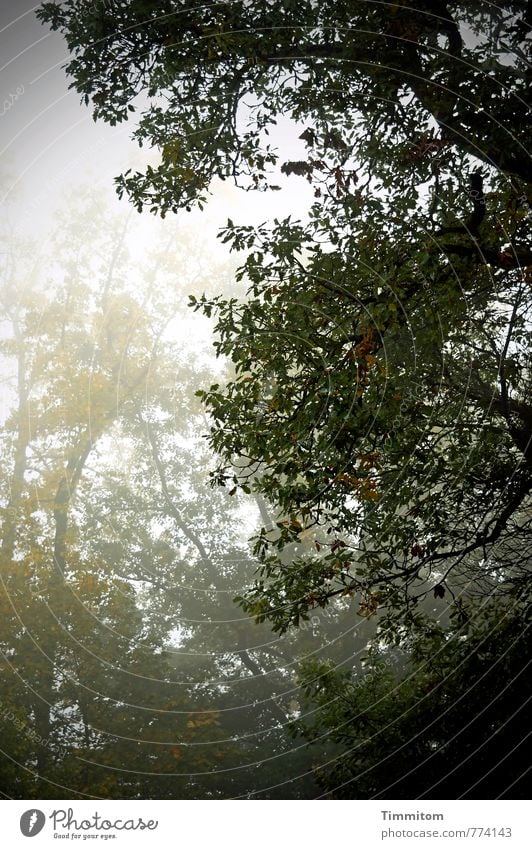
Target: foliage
(217, 75)
(381, 394)
(84, 672)
(449, 724)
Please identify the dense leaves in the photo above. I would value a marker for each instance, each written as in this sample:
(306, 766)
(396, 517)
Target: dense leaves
(449, 723)
(381, 356)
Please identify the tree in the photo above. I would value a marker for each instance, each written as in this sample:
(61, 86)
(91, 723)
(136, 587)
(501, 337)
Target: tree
(381, 398)
(89, 705)
(449, 724)
(381, 67)
(127, 669)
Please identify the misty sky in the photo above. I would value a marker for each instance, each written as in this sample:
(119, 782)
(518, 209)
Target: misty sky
(49, 142)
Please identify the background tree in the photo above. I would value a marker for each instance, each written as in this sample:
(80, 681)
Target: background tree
(128, 670)
(78, 646)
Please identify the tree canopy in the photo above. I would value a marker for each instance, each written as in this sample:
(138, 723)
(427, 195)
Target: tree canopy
(381, 401)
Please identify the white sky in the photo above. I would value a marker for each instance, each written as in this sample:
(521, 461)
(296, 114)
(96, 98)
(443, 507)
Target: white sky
(49, 142)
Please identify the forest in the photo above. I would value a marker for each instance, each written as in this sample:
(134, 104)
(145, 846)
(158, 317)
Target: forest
(265, 502)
